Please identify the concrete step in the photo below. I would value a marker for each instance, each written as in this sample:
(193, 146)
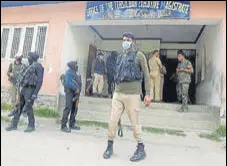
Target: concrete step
(199, 117)
(161, 113)
(152, 121)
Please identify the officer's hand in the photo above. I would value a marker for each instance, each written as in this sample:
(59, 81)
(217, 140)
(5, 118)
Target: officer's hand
(33, 97)
(92, 75)
(147, 100)
(77, 91)
(11, 75)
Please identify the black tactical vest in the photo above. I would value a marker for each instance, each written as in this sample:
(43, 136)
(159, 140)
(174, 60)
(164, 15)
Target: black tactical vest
(127, 70)
(30, 77)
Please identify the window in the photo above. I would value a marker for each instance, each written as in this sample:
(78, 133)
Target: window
(23, 39)
(4, 41)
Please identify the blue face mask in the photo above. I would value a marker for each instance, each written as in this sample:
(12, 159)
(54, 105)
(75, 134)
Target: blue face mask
(126, 45)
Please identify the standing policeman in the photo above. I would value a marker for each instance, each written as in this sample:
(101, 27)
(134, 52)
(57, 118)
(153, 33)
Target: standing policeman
(72, 92)
(13, 73)
(184, 71)
(31, 82)
(127, 92)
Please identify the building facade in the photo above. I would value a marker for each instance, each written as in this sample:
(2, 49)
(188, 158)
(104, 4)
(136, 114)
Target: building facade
(44, 28)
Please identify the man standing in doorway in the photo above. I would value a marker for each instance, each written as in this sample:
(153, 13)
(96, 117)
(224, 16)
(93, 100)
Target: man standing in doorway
(127, 92)
(13, 74)
(184, 71)
(155, 66)
(98, 72)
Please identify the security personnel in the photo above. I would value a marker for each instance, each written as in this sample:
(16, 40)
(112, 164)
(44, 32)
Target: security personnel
(155, 66)
(184, 71)
(127, 92)
(72, 92)
(98, 72)
(110, 65)
(31, 82)
(13, 73)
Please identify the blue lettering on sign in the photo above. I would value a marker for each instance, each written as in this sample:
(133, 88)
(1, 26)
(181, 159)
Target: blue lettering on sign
(126, 10)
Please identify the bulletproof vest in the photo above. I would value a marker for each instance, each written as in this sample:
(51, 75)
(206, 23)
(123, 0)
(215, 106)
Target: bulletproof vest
(30, 77)
(16, 70)
(127, 70)
(99, 67)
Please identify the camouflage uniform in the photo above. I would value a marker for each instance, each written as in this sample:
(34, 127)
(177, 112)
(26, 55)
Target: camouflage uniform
(31, 82)
(184, 79)
(16, 70)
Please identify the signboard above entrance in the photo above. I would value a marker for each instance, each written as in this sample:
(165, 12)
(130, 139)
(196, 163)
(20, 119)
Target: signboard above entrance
(128, 10)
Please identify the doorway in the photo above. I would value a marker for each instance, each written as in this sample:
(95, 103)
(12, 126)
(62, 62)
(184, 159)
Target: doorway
(169, 87)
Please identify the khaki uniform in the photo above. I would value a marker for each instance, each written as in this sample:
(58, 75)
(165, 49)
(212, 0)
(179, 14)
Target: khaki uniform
(98, 76)
(16, 69)
(161, 86)
(155, 77)
(127, 98)
(98, 83)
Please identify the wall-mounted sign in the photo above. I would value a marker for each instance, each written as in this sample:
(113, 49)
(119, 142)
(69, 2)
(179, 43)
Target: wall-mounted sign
(128, 10)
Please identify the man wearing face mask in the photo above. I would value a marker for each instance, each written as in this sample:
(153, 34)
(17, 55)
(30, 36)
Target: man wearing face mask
(30, 82)
(129, 65)
(72, 90)
(13, 74)
(98, 72)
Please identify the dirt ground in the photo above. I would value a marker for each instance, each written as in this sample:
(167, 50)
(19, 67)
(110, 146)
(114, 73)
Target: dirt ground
(47, 146)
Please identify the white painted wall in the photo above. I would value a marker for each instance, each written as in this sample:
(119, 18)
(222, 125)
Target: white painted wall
(76, 47)
(209, 60)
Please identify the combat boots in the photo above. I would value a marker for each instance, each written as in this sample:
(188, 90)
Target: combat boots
(29, 129)
(11, 127)
(65, 129)
(74, 127)
(109, 150)
(139, 153)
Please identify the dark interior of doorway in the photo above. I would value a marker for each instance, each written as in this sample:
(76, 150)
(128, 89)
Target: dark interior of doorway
(169, 87)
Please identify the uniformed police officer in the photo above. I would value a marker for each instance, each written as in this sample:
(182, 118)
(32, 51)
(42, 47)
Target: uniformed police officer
(184, 71)
(72, 90)
(13, 73)
(127, 92)
(31, 82)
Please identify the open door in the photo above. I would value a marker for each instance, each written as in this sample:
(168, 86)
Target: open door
(91, 56)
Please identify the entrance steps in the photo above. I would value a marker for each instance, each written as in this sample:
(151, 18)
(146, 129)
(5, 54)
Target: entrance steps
(162, 115)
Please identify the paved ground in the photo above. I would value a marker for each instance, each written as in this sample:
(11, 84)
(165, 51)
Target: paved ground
(47, 146)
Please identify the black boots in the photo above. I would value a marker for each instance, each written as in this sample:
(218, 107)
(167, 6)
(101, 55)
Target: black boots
(11, 127)
(139, 153)
(29, 129)
(109, 150)
(65, 129)
(74, 127)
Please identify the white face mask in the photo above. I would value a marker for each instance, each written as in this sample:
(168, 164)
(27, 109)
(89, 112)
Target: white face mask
(126, 45)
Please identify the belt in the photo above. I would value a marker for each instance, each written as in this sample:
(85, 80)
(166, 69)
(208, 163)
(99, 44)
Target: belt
(29, 86)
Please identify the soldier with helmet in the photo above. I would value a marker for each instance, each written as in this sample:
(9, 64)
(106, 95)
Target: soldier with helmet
(30, 83)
